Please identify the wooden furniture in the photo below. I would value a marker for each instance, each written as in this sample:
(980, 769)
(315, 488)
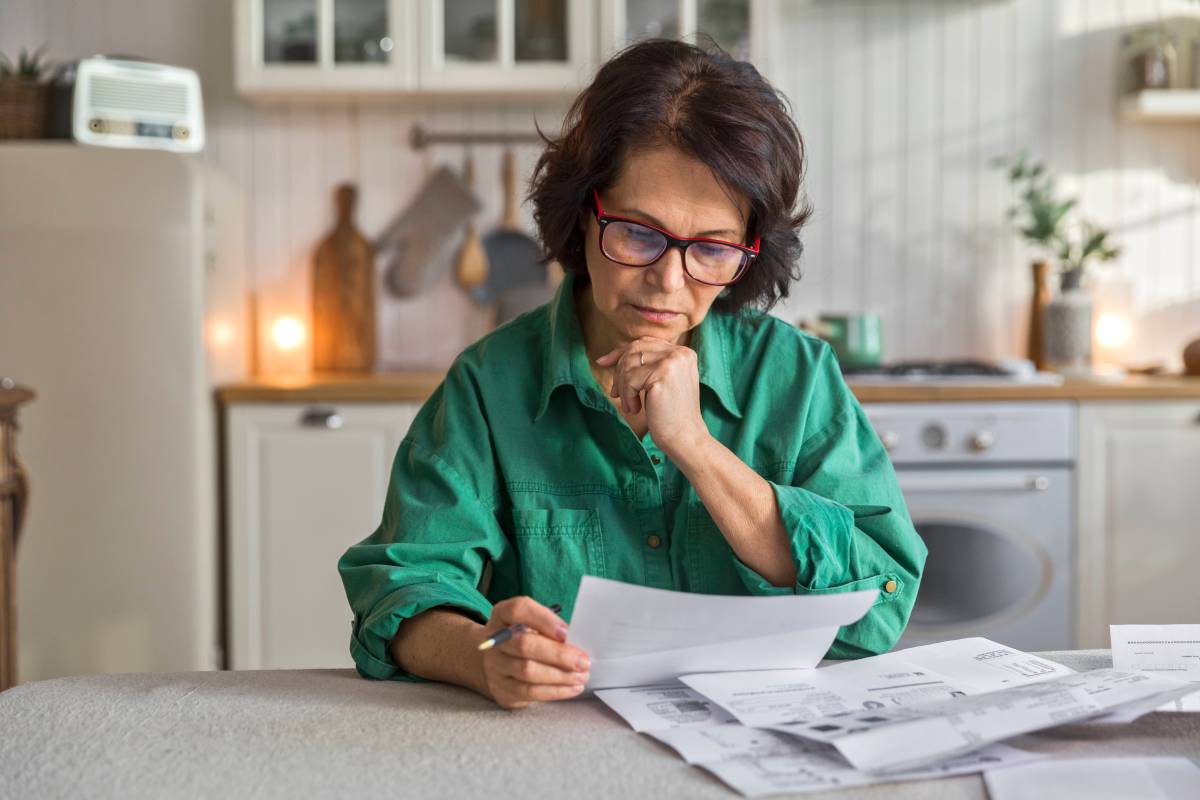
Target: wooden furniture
(14, 494)
(330, 733)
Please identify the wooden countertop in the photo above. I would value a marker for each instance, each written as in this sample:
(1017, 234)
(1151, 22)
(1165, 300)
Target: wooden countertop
(417, 386)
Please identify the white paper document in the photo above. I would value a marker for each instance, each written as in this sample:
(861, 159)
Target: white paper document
(1169, 649)
(760, 762)
(756, 776)
(635, 635)
(904, 677)
(662, 706)
(909, 736)
(1097, 779)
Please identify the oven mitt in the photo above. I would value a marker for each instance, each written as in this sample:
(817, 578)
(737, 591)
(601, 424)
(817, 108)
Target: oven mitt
(417, 247)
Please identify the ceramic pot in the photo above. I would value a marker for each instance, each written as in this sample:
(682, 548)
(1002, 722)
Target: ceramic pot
(1067, 331)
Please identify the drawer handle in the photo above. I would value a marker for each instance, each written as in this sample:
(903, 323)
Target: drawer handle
(327, 418)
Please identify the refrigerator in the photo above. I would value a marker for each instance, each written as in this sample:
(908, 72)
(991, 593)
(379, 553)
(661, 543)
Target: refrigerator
(122, 305)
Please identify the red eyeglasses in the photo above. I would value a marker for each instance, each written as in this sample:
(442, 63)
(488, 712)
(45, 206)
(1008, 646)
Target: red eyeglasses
(638, 244)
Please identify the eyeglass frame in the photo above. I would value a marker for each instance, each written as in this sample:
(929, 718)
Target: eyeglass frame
(682, 242)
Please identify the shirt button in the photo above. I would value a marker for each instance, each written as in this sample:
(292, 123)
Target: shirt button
(889, 587)
(655, 460)
(653, 541)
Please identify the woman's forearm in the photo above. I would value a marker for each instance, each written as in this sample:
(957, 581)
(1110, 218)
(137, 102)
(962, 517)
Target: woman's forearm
(441, 645)
(744, 507)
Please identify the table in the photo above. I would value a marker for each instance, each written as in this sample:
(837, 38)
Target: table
(330, 733)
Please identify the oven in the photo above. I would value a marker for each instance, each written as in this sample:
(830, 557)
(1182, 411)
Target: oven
(989, 487)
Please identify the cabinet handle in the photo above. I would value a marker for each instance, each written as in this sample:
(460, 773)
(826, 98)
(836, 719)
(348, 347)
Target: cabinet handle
(327, 418)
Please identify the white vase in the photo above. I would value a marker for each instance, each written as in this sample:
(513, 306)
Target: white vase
(1067, 326)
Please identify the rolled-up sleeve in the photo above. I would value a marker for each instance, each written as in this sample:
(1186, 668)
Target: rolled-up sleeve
(437, 532)
(848, 526)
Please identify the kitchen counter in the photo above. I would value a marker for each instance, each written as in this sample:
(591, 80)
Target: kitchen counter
(416, 386)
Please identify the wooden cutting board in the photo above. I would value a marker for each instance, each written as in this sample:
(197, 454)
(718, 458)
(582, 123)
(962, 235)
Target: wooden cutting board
(343, 294)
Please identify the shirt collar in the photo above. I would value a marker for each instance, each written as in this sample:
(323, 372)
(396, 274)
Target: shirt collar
(565, 358)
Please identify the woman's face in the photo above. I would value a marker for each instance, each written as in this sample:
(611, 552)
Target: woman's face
(661, 186)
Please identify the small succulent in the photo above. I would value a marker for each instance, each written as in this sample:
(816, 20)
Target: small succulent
(29, 66)
(1041, 217)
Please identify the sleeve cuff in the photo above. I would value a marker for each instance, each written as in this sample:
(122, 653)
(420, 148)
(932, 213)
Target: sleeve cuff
(370, 640)
(820, 533)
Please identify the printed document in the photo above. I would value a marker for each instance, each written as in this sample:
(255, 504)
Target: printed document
(1169, 649)
(636, 635)
(1146, 778)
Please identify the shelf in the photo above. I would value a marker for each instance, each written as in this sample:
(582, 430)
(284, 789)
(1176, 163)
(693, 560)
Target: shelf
(1162, 105)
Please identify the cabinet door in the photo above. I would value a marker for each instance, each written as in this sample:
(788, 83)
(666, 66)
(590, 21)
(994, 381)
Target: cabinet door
(304, 483)
(324, 47)
(1139, 515)
(741, 27)
(506, 46)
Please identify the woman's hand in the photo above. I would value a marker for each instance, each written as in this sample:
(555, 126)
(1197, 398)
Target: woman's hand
(535, 665)
(669, 374)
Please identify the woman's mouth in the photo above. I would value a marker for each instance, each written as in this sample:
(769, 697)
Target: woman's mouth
(656, 314)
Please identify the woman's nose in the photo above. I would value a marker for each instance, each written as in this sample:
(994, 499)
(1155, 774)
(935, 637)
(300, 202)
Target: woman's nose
(668, 271)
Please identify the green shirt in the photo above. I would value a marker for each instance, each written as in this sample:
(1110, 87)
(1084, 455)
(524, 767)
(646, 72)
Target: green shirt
(518, 476)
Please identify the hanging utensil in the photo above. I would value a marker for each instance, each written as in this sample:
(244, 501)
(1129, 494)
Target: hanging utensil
(471, 266)
(514, 258)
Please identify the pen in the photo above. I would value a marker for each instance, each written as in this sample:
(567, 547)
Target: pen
(500, 637)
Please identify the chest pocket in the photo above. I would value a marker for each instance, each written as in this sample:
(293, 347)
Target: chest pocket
(557, 547)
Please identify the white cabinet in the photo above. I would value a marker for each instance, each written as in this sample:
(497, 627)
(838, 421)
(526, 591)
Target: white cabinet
(1139, 515)
(304, 482)
(325, 47)
(741, 27)
(505, 46)
(347, 48)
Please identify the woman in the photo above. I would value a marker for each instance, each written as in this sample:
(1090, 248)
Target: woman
(646, 425)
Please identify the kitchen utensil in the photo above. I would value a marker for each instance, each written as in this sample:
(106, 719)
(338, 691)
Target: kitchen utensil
(514, 259)
(471, 264)
(422, 241)
(343, 294)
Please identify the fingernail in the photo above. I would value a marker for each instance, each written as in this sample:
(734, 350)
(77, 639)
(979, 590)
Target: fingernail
(582, 663)
(561, 632)
(582, 677)
(577, 689)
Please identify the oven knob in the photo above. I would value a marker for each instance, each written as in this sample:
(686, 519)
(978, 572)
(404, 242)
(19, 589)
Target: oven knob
(983, 440)
(934, 437)
(890, 440)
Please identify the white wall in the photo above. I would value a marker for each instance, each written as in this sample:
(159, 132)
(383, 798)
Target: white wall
(902, 104)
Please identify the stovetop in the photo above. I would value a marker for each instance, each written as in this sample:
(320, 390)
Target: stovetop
(964, 371)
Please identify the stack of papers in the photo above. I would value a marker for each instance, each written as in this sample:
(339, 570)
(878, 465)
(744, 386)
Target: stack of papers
(913, 714)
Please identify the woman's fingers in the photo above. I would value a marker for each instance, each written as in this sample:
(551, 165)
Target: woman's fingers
(528, 670)
(532, 613)
(513, 693)
(548, 651)
(634, 368)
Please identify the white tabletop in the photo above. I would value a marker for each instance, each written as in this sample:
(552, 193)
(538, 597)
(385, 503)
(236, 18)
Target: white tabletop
(330, 733)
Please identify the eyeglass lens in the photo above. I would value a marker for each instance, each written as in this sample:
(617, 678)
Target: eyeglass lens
(639, 246)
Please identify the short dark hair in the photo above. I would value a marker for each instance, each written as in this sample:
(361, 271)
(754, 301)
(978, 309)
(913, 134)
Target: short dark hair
(711, 106)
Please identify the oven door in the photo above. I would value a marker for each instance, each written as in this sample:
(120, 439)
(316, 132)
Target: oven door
(999, 555)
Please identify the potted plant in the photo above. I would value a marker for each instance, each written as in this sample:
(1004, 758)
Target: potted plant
(23, 95)
(1060, 326)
